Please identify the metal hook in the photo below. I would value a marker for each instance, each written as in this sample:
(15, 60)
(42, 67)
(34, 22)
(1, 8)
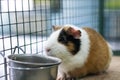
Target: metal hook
(18, 49)
(3, 55)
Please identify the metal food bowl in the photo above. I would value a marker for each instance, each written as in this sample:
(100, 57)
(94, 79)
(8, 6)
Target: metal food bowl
(32, 67)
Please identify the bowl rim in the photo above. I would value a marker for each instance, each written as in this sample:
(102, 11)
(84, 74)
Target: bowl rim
(27, 68)
(58, 61)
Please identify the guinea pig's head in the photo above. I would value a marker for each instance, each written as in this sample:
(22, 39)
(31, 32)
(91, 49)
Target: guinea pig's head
(63, 42)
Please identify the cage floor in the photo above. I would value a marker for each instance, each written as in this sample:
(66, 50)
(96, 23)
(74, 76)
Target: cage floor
(113, 73)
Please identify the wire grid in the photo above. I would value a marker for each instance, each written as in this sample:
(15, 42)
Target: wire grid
(28, 23)
(112, 24)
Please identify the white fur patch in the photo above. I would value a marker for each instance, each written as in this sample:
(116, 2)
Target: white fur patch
(80, 58)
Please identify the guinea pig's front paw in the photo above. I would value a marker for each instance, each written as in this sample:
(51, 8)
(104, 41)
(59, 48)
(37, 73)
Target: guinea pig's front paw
(65, 77)
(61, 77)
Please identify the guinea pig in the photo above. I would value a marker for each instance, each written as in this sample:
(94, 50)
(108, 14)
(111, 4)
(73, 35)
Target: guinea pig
(83, 51)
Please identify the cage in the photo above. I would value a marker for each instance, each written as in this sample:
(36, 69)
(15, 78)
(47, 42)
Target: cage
(28, 23)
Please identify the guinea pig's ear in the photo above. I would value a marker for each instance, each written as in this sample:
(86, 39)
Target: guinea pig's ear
(55, 27)
(75, 33)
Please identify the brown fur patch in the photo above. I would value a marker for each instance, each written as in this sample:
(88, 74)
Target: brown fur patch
(66, 28)
(98, 58)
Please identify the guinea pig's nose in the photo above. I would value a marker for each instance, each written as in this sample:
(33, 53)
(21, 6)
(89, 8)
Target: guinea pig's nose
(48, 49)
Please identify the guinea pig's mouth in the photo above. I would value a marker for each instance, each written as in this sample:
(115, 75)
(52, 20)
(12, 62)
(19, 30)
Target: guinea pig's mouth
(50, 54)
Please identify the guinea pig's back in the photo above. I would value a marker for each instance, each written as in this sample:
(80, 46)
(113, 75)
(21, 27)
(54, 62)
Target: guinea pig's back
(100, 53)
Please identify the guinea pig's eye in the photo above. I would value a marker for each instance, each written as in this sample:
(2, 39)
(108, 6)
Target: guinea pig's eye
(62, 39)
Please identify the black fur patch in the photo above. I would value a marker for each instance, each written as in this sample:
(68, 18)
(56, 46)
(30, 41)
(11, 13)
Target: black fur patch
(65, 38)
